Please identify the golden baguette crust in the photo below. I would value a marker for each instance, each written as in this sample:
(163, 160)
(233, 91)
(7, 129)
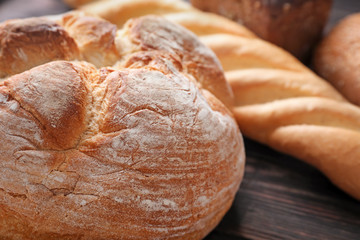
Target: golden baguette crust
(277, 21)
(140, 150)
(278, 99)
(119, 11)
(336, 58)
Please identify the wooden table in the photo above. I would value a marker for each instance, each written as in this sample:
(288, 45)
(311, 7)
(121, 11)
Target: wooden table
(280, 197)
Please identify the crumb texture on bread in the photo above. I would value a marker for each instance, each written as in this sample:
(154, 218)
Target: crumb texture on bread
(140, 148)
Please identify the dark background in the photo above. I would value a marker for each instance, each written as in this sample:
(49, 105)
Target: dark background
(280, 197)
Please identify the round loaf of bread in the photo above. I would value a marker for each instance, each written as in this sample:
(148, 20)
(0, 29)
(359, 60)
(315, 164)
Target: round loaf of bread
(128, 140)
(337, 58)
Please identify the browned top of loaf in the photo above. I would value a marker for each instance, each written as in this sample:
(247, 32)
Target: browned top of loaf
(134, 151)
(26, 43)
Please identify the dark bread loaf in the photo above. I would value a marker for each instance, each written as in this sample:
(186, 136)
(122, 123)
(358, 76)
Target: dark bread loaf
(295, 25)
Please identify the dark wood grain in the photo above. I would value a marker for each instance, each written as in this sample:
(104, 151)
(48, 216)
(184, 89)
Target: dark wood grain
(280, 197)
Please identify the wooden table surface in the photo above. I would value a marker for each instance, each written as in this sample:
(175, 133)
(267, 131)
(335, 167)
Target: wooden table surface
(280, 197)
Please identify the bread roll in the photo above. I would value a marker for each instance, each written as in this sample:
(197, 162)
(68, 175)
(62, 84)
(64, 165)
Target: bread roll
(129, 140)
(337, 59)
(278, 101)
(295, 25)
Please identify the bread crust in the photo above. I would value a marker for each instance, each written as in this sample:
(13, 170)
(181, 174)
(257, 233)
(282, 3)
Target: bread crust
(295, 25)
(336, 58)
(98, 42)
(19, 40)
(77, 3)
(140, 150)
(280, 102)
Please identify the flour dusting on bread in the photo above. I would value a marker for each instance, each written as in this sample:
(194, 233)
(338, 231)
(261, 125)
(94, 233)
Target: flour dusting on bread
(131, 143)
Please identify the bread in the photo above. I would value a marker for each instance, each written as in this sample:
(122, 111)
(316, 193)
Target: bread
(337, 60)
(278, 101)
(77, 3)
(113, 134)
(295, 25)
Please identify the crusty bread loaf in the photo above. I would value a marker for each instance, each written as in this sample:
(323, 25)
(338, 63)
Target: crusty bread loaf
(278, 101)
(295, 25)
(337, 58)
(129, 140)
